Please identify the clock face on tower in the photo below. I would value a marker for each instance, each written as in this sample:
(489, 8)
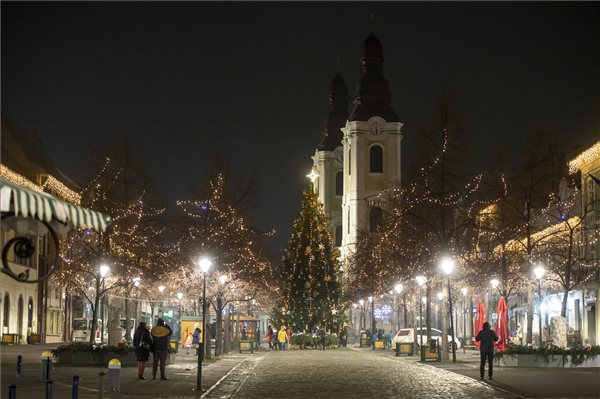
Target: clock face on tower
(376, 128)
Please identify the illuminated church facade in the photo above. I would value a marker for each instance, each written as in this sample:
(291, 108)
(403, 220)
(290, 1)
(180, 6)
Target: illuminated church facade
(360, 153)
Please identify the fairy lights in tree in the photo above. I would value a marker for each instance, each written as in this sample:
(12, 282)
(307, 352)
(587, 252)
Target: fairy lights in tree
(311, 293)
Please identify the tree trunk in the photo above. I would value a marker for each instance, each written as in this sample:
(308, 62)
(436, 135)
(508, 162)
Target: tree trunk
(127, 326)
(95, 312)
(530, 304)
(226, 340)
(208, 335)
(445, 326)
(218, 327)
(428, 310)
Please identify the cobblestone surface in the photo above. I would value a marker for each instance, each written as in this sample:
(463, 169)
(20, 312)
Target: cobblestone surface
(345, 373)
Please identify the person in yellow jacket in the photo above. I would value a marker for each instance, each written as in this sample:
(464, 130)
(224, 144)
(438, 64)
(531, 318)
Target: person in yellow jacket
(282, 337)
(160, 345)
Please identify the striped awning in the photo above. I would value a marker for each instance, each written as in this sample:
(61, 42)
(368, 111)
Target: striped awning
(42, 206)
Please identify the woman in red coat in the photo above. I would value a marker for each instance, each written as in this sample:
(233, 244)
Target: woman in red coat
(270, 336)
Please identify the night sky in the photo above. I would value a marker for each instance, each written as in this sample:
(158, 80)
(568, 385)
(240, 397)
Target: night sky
(249, 82)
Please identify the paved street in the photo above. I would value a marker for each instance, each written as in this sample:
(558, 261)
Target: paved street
(346, 373)
(339, 373)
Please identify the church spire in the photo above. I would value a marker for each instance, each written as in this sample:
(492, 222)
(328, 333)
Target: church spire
(372, 97)
(338, 113)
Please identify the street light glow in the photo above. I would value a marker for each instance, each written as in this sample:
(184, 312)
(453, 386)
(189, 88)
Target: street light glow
(223, 279)
(464, 291)
(421, 280)
(204, 264)
(137, 281)
(161, 288)
(398, 288)
(312, 176)
(447, 266)
(440, 296)
(180, 295)
(539, 272)
(494, 282)
(361, 301)
(104, 269)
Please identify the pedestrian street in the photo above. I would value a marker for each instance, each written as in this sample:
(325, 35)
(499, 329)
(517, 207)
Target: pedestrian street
(345, 373)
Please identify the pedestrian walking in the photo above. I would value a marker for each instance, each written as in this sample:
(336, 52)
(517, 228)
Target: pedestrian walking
(142, 342)
(275, 339)
(196, 339)
(282, 337)
(270, 336)
(244, 334)
(188, 344)
(257, 337)
(160, 337)
(289, 335)
(323, 338)
(487, 337)
(390, 338)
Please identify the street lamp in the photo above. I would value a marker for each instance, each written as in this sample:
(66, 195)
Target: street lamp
(180, 297)
(204, 264)
(420, 280)
(398, 287)
(104, 270)
(539, 272)
(447, 266)
(494, 283)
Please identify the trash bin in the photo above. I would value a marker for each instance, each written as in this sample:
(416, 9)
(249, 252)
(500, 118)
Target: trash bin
(174, 344)
(432, 344)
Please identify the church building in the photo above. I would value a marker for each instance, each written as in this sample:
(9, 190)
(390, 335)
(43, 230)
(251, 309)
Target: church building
(359, 155)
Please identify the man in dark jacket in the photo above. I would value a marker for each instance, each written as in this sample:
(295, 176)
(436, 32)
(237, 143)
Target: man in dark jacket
(487, 338)
(160, 338)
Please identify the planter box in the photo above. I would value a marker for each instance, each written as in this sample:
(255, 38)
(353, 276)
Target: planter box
(85, 358)
(539, 361)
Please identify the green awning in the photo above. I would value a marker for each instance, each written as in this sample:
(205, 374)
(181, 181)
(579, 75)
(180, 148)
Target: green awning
(42, 206)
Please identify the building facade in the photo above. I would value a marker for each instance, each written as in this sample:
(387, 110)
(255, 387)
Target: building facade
(360, 154)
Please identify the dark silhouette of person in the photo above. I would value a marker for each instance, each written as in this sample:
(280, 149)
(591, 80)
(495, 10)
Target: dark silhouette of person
(487, 337)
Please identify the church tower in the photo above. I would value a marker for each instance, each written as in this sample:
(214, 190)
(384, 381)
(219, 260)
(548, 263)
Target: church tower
(371, 149)
(328, 158)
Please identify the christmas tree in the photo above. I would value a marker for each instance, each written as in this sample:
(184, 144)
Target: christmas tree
(311, 290)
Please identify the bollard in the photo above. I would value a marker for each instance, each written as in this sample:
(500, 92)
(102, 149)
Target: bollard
(19, 365)
(114, 375)
(46, 365)
(48, 389)
(75, 390)
(101, 387)
(12, 391)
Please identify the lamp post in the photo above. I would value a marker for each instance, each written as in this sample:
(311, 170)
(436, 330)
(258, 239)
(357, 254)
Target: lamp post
(398, 287)
(104, 269)
(464, 291)
(204, 264)
(447, 266)
(354, 306)
(420, 280)
(539, 272)
(494, 283)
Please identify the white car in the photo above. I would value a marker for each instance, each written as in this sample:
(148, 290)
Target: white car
(407, 335)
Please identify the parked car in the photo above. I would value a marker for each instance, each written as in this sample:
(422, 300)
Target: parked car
(407, 335)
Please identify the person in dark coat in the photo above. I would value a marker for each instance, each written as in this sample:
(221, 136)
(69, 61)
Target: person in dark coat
(160, 338)
(141, 344)
(196, 339)
(487, 338)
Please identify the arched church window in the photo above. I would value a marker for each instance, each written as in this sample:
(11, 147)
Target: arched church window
(338, 235)
(375, 219)
(376, 159)
(339, 183)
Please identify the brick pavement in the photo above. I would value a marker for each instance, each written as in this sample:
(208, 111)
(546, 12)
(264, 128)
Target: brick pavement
(346, 373)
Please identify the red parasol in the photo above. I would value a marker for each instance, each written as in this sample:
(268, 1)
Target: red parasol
(502, 325)
(479, 319)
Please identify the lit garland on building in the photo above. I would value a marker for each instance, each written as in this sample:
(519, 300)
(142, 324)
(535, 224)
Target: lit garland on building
(51, 185)
(586, 157)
